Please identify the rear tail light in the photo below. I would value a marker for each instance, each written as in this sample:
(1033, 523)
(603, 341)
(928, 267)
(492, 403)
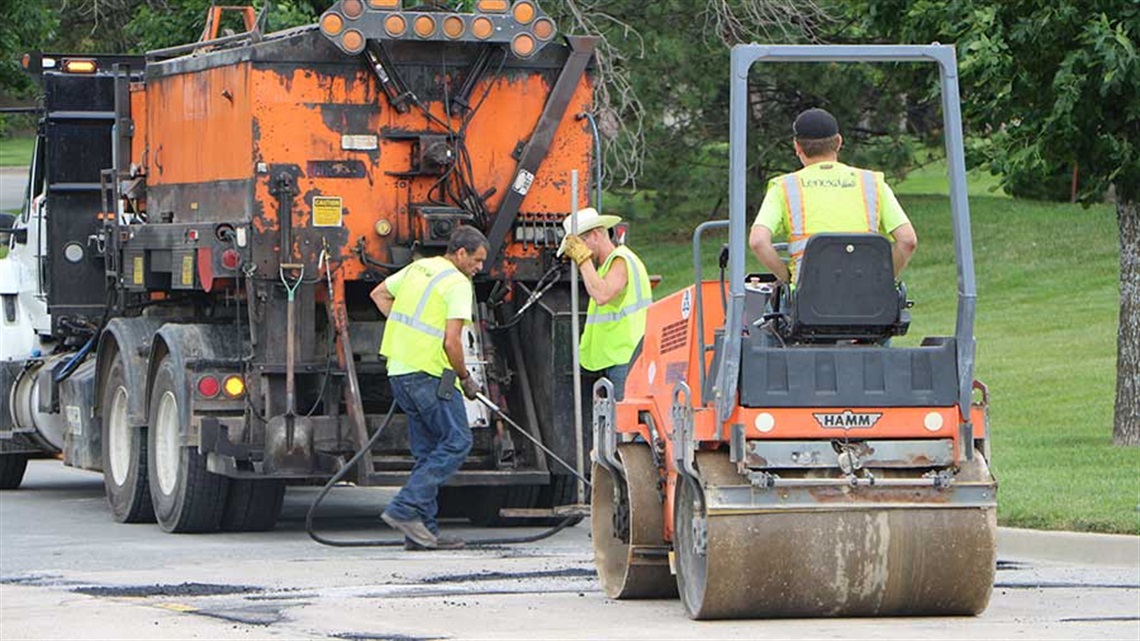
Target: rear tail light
(208, 386)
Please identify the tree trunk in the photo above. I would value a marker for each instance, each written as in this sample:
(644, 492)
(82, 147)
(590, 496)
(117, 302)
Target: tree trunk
(1126, 430)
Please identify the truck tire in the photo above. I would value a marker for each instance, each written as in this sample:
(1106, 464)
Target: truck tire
(186, 496)
(12, 467)
(124, 452)
(253, 506)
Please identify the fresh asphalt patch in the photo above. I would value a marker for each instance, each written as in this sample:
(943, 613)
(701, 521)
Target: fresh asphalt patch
(565, 573)
(181, 590)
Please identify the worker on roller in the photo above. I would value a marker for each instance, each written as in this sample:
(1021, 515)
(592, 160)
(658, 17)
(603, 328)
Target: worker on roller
(826, 196)
(619, 291)
(427, 304)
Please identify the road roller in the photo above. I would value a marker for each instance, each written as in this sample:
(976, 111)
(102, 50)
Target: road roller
(775, 455)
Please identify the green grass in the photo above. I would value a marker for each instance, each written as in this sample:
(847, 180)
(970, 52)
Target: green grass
(1046, 328)
(931, 178)
(16, 152)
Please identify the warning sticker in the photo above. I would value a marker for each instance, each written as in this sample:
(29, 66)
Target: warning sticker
(523, 181)
(188, 270)
(327, 211)
(137, 270)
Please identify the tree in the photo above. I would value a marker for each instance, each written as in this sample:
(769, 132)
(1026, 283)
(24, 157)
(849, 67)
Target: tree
(1052, 85)
(666, 64)
(26, 25)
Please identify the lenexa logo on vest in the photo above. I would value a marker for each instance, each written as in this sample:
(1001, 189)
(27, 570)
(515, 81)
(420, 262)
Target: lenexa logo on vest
(848, 420)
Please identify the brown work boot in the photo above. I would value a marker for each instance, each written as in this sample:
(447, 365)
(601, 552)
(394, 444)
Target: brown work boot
(413, 529)
(441, 543)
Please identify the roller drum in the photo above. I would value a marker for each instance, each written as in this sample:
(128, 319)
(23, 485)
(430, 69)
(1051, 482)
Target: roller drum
(630, 552)
(854, 561)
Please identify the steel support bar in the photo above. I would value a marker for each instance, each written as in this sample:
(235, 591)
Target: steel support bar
(742, 499)
(581, 50)
(743, 57)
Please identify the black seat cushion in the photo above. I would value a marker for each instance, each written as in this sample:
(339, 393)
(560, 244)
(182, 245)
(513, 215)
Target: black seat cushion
(845, 289)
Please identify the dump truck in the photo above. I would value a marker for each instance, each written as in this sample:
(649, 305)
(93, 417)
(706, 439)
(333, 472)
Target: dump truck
(777, 452)
(186, 298)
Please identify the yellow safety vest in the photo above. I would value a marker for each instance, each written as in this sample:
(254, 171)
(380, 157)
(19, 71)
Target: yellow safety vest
(827, 209)
(414, 331)
(613, 330)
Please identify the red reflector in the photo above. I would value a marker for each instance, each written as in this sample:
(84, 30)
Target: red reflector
(231, 259)
(208, 386)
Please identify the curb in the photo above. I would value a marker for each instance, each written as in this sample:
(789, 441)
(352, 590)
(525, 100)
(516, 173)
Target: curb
(1121, 550)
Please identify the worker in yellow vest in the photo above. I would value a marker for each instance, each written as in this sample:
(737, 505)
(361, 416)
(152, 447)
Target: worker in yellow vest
(427, 305)
(619, 295)
(826, 196)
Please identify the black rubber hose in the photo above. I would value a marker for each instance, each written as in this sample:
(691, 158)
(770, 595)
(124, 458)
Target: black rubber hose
(360, 543)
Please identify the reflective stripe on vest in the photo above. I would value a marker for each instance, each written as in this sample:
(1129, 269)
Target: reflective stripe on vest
(416, 320)
(870, 199)
(640, 300)
(794, 196)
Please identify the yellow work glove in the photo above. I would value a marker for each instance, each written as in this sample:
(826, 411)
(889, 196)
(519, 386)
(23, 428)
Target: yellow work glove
(577, 250)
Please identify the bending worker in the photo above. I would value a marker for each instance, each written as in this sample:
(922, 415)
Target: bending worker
(427, 304)
(826, 196)
(619, 295)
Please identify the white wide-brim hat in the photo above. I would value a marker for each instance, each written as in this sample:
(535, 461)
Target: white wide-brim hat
(587, 219)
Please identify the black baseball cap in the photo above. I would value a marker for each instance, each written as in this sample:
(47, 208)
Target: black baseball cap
(815, 123)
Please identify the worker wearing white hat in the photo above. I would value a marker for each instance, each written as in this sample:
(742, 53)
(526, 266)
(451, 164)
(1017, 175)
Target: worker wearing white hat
(619, 294)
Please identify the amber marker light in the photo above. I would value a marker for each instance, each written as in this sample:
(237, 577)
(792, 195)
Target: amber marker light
(234, 386)
(79, 66)
(492, 6)
(543, 28)
(523, 12)
(424, 26)
(523, 45)
(383, 227)
(353, 41)
(332, 24)
(453, 27)
(482, 28)
(395, 26)
(384, 4)
(352, 9)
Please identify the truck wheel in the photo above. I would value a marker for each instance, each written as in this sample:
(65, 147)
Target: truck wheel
(124, 452)
(12, 468)
(186, 497)
(253, 506)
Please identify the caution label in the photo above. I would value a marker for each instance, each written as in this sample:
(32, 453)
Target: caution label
(188, 270)
(327, 211)
(137, 270)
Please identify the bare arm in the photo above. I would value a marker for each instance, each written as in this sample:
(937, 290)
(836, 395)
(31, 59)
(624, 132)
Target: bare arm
(453, 346)
(760, 239)
(906, 241)
(383, 299)
(604, 290)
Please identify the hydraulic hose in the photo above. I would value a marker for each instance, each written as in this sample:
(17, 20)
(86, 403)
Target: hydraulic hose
(336, 478)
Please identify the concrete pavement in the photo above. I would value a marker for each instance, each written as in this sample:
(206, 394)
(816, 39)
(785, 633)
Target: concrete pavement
(1069, 547)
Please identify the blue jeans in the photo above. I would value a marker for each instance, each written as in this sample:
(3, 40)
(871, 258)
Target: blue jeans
(617, 375)
(440, 440)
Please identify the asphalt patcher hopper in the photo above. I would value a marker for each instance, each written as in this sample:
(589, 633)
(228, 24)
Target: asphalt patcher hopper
(775, 455)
